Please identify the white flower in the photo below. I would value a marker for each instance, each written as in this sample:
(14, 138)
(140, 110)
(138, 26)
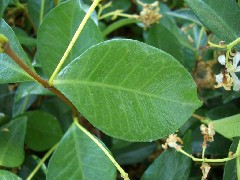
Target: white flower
(219, 78)
(222, 59)
(236, 82)
(171, 141)
(205, 170)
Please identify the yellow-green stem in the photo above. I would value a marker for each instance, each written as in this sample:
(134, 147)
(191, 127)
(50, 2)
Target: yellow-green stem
(95, 140)
(46, 156)
(117, 13)
(203, 152)
(205, 159)
(74, 39)
(42, 11)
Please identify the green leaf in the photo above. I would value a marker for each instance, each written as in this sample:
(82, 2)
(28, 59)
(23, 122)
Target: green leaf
(186, 14)
(6, 99)
(9, 71)
(56, 32)
(3, 5)
(228, 127)
(6, 30)
(6, 175)
(12, 142)
(23, 37)
(230, 169)
(34, 9)
(43, 131)
(220, 16)
(161, 37)
(78, 157)
(171, 165)
(132, 153)
(127, 90)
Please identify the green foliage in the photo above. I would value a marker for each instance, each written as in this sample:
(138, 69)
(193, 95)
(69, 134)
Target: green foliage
(127, 79)
(220, 17)
(58, 27)
(128, 86)
(43, 131)
(77, 152)
(12, 141)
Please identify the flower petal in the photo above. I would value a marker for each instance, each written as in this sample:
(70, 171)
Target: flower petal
(219, 78)
(236, 82)
(222, 59)
(236, 59)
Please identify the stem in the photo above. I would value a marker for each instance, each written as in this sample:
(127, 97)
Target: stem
(217, 45)
(203, 152)
(45, 157)
(198, 117)
(42, 11)
(116, 13)
(8, 50)
(205, 159)
(95, 140)
(118, 24)
(74, 39)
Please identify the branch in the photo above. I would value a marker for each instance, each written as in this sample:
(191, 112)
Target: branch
(8, 50)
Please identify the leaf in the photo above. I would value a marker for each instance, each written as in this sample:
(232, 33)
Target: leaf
(12, 142)
(6, 175)
(28, 166)
(3, 5)
(127, 90)
(78, 157)
(23, 37)
(186, 14)
(34, 9)
(171, 164)
(56, 32)
(6, 99)
(132, 153)
(6, 30)
(164, 39)
(9, 71)
(230, 168)
(228, 127)
(220, 16)
(43, 131)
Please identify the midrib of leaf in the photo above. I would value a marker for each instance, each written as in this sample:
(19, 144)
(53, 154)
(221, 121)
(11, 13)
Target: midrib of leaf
(115, 87)
(226, 27)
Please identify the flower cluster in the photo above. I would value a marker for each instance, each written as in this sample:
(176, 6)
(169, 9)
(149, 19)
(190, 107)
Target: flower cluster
(171, 141)
(149, 14)
(205, 170)
(208, 132)
(227, 78)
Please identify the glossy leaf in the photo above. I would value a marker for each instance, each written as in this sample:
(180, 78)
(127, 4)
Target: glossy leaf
(12, 142)
(9, 71)
(3, 5)
(78, 157)
(170, 165)
(43, 131)
(56, 32)
(127, 90)
(7, 175)
(220, 16)
(6, 99)
(23, 37)
(229, 126)
(230, 169)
